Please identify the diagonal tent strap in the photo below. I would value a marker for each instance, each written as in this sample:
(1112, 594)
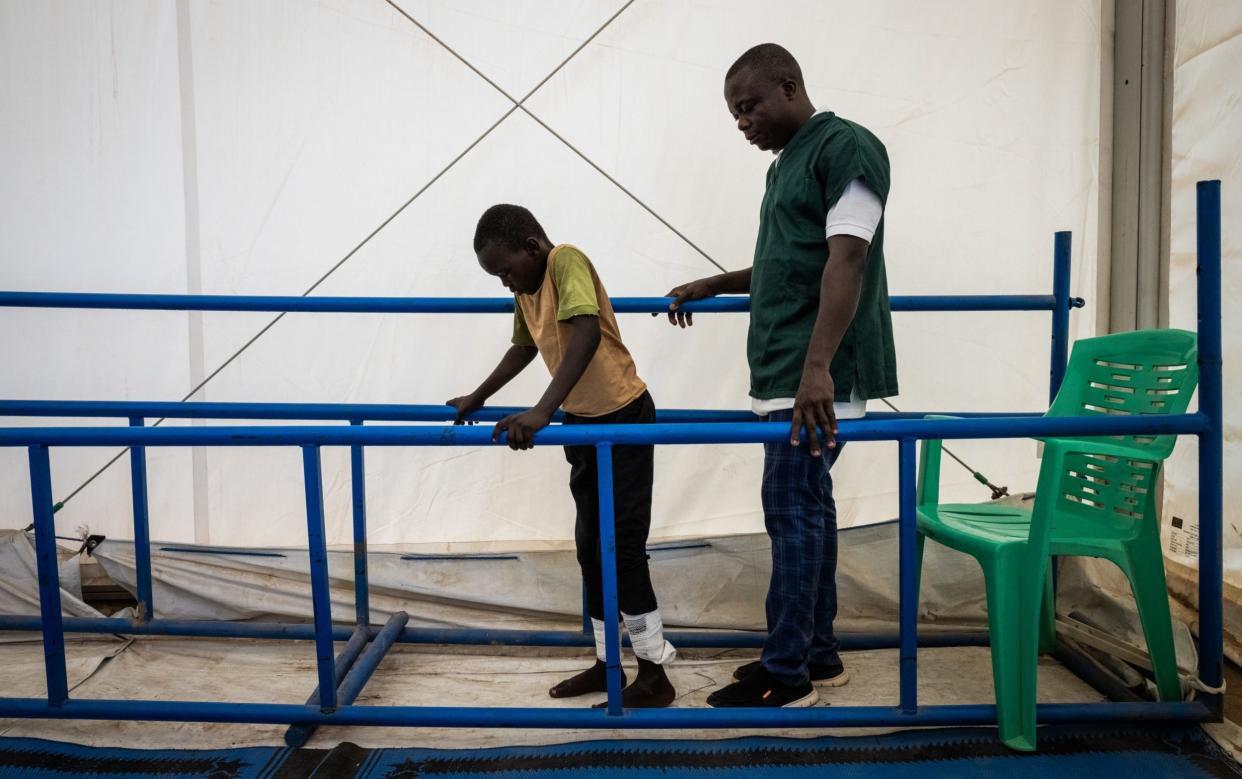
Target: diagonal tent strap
(521, 104)
(997, 492)
(517, 105)
(59, 504)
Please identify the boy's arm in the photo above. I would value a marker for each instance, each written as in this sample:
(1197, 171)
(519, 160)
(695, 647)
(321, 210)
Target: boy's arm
(839, 289)
(730, 283)
(517, 358)
(583, 341)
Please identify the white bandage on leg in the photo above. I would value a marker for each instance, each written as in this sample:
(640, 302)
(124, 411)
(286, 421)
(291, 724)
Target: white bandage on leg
(600, 641)
(647, 637)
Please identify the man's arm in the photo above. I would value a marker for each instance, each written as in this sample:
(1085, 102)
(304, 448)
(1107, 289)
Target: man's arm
(583, 342)
(514, 361)
(735, 282)
(839, 290)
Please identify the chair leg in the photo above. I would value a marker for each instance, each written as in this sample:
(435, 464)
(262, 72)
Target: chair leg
(1048, 615)
(1145, 569)
(1014, 652)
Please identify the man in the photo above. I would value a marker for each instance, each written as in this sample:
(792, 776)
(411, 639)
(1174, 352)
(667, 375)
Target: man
(820, 345)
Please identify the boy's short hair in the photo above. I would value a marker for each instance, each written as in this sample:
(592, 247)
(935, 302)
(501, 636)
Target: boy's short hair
(770, 61)
(508, 225)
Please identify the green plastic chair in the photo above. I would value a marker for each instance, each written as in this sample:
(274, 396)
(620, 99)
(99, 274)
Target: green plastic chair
(1095, 497)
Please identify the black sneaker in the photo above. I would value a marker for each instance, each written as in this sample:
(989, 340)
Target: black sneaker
(761, 690)
(827, 675)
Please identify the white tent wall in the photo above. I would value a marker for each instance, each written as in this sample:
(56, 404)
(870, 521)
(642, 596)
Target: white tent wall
(313, 124)
(1206, 130)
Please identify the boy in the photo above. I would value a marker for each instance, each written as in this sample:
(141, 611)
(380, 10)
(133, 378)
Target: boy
(820, 345)
(563, 313)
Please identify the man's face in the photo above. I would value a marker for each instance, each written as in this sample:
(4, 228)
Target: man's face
(517, 269)
(763, 110)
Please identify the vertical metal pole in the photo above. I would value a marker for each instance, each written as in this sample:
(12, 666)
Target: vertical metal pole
(362, 583)
(321, 595)
(1211, 475)
(49, 577)
(907, 535)
(1060, 314)
(142, 526)
(608, 559)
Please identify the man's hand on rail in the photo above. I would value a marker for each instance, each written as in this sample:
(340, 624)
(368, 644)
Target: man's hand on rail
(732, 282)
(813, 407)
(465, 405)
(695, 290)
(522, 428)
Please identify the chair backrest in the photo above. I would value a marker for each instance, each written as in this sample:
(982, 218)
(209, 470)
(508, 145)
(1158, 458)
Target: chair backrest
(1142, 372)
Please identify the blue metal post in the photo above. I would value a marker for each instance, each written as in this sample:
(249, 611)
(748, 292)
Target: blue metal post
(362, 583)
(298, 735)
(909, 601)
(142, 526)
(321, 595)
(1060, 311)
(608, 560)
(370, 659)
(49, 577)
(1211, 473)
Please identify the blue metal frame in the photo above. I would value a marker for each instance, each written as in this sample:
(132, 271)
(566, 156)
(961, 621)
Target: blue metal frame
(340, 679)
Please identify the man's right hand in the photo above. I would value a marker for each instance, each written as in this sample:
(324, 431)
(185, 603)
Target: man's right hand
(695, 290)
(465, 405)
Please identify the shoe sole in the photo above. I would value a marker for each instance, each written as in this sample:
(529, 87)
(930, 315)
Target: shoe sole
(806, 701)
(840, 680)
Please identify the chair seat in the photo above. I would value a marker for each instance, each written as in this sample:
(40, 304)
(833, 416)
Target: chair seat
(977, 528)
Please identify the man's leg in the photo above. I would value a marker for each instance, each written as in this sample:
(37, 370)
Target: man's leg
(824, 644)
(794, 512)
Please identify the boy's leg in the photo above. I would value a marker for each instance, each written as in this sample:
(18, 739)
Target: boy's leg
(824, 644)
(583, 485)
(632, 474)
(794, 508)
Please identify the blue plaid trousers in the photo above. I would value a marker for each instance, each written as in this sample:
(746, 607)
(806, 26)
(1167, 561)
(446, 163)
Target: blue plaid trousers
(801, 519)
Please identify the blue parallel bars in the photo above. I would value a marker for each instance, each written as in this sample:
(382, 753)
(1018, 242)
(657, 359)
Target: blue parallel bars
(1211, 463)
(908, 600)
(49, 577)
(608, 561)
(321, 595)
(1206, 424)
(357, 476)
(142, 527)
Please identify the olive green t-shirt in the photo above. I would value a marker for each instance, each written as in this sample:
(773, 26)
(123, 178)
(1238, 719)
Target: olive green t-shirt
(791, 251)
(570, 288)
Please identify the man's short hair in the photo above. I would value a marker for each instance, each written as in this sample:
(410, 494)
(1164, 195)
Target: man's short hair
(769, 61)
(508, 225)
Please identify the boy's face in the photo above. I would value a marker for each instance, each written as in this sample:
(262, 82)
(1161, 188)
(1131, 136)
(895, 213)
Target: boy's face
(765, 111)
(518, 269)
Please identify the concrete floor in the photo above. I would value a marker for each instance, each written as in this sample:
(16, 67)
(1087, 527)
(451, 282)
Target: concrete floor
(284, 672)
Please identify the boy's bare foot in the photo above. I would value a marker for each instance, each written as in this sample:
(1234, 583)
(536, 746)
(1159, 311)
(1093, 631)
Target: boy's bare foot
(651, 690)
(593, 679)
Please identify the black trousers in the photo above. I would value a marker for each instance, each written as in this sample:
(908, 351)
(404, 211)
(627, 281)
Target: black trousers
(632, 472)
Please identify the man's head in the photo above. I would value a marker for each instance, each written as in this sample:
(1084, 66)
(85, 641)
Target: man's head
(766, 96)
(512, 246)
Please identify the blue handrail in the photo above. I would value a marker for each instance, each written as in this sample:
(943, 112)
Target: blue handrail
(677, 427)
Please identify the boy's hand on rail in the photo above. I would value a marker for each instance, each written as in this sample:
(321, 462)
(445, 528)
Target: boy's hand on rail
(813, 407)
(694, 290)
(465, 405)
(522, 428)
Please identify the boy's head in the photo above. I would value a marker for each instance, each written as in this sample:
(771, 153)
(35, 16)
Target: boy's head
(766, 96)
(512, 246)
